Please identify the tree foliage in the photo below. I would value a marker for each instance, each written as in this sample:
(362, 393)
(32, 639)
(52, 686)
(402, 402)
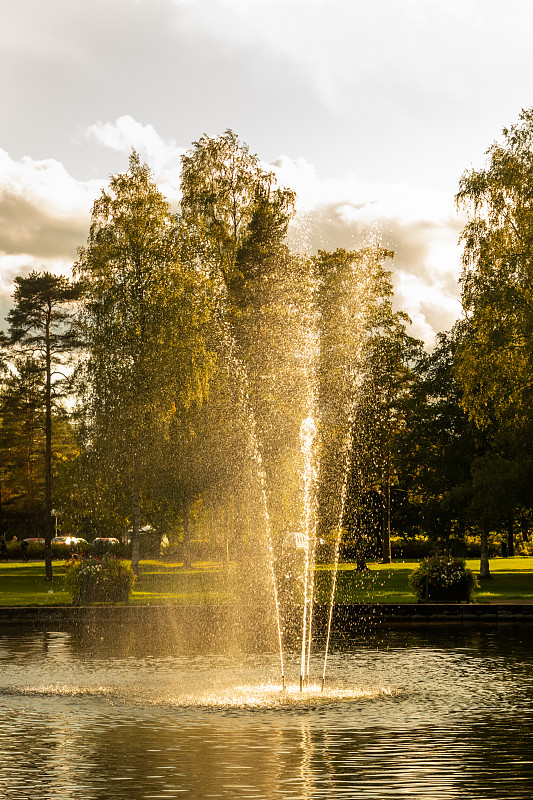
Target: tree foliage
(495, 358)
(234, 215)
(438, 445)
(209, 343)
(143, 321)
(363, 372)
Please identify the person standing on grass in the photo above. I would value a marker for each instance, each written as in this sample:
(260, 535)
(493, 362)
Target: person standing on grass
(3, 549)
(24, 547)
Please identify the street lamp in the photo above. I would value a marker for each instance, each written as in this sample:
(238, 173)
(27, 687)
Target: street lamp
(55, 514)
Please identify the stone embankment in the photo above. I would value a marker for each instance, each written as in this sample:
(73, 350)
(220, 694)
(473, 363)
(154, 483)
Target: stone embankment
(209, 622)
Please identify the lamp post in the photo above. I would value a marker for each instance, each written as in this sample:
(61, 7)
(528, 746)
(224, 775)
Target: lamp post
(55, 514)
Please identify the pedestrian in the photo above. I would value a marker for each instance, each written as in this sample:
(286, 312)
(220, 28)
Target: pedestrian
(24, 547)
(3, 549)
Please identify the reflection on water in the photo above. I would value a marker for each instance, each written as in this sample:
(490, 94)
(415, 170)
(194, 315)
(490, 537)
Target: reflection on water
(435, 714)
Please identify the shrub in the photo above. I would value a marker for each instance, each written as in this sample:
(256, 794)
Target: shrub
(99, 580)
(60, 550)
(438, 577)
(414, 547)
(524, 548)
(13, 550)
(35, 550)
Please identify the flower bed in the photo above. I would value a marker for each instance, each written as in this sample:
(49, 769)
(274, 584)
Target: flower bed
(99, 580)
(443, 580)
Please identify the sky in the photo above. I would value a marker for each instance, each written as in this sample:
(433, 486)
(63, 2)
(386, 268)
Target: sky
(371, 110)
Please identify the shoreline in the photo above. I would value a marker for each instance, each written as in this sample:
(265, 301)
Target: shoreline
(214, 619)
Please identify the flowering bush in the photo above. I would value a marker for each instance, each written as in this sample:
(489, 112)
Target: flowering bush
(96, 580)
(439, 578)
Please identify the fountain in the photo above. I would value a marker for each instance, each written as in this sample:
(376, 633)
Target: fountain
(324, 345)
(174, 710)
(174, 703)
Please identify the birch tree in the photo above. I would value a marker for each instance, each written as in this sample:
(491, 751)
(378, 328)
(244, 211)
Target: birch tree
(143, 319)
(234, 219)
(495, 352)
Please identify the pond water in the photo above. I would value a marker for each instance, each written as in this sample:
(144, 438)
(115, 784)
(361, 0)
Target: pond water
(443, 713)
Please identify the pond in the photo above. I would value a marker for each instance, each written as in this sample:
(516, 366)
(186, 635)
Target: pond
(440, 713)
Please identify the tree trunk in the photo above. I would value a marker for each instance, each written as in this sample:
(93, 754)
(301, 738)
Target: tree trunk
(187, 560)
(360, 560)
(386, 522)
(378, 523)
(135, 542)
(510, 536)
(48, 527)
(484, 571)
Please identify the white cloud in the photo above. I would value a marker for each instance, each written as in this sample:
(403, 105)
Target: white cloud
(44, 212)
(46, 183)
(430, 305)
(341, 47)
(44, 217)
(420, 225)
(162, 156)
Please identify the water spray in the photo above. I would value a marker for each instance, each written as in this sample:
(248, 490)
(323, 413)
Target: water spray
(254, 443)
(347, 465)
(307, 436)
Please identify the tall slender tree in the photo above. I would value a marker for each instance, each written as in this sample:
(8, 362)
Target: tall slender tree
(234, 219)
(386, 380)
(363, 371)
(142, 318)
(495, 348)
(437, 446)
(41, 328)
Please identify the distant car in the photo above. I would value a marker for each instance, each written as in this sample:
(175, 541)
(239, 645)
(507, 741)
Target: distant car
(68, 540)
(34, 540)
(106, 541)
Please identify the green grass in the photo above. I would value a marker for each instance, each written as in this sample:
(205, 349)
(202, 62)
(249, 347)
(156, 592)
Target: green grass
(207, 582)
(383, 583)
(161, 582)
(512, 581)
(25, 585)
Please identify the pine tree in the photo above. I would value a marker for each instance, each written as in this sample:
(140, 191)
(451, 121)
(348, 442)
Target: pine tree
(41, 328)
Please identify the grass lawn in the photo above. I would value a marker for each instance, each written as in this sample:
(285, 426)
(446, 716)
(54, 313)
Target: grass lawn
(159, 582)
(25, 585)
(208, 582)
(162, 582)
(512, 582)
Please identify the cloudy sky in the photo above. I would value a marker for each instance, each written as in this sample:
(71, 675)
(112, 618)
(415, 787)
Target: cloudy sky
(370, 109)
